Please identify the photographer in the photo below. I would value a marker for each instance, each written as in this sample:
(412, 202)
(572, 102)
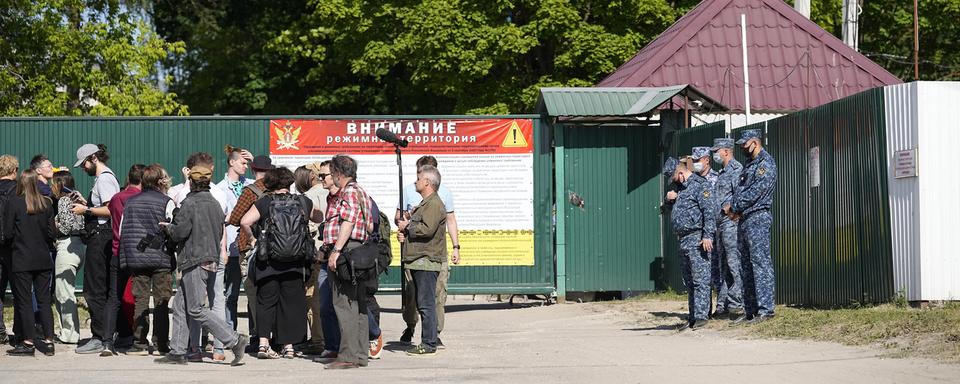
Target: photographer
(199, 226)
(144, 252)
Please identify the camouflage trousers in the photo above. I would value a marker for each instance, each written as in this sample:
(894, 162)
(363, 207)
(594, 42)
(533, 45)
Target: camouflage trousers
(695, 264)
(726, 267)
(756, 263)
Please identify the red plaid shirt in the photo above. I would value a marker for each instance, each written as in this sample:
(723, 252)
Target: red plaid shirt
(346, 206)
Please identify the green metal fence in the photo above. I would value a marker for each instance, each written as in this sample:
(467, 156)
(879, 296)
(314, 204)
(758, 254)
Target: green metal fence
(830, 239)
(169, 141)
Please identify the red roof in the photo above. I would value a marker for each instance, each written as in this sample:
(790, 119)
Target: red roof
(703, 49)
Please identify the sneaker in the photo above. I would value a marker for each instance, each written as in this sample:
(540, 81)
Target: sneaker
(312, 348)
(698, 324)
(171, 359)
(683, 327)
(195, 356)
(4, 337)
(163, 349)
(47, 348)
(137, 350)
(742, 319)
(376, 348)
(239, 350)
(326, 356)
(108, 350)
(93, 346)
(407, 335)
(440, 344)
(759, 319)
(22, 349)
(422, 350)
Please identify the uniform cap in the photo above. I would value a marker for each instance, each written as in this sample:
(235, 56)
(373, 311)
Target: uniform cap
(670, 167)
(699, 152)
(721, 143)
(748, 135)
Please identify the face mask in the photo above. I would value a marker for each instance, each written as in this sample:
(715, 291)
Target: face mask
(698, 167)
(717, 158)
(747, 151)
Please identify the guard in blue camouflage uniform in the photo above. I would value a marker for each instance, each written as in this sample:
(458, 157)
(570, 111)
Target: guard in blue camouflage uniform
(694, 222)
(716, 273)
(751, 208)
(726, 252)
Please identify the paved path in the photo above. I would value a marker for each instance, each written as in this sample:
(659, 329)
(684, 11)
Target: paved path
(494, 342)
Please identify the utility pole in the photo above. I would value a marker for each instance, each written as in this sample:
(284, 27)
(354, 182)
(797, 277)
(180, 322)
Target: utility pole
(851, 22)
(802, 6)
(916, 43)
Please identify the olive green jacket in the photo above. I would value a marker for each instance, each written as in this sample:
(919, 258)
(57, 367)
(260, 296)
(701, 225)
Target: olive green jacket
(427, 232)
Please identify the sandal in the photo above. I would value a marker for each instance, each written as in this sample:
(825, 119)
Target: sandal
(265, 352)
(289, 353)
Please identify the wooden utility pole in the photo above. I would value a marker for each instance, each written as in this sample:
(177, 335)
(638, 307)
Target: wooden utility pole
(916, 43)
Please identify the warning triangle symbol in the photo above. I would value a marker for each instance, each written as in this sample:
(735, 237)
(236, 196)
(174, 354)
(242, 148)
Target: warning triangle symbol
(514, 137)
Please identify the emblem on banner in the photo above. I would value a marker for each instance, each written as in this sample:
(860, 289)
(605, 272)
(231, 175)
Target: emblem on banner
(288, 136)
(514, 137)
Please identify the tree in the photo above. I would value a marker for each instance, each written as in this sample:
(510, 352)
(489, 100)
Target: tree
(452, 56)
(81, 57)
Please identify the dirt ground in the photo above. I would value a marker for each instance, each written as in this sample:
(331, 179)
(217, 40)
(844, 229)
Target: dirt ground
(489, 341)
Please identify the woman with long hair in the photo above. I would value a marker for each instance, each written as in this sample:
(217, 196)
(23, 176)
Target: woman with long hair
(28, 217)
(70, 252)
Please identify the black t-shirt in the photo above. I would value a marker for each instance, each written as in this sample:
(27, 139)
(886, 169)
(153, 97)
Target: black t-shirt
(270, 267)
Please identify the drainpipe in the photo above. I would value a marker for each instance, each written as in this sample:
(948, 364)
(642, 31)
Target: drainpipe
(560, 241)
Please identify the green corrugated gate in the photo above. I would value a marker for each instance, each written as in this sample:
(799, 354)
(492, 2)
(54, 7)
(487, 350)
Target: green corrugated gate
(613, 241)
(169, 141)
(831, 243)
(680, 145)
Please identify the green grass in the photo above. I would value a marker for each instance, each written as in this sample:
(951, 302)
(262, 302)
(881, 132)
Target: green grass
(8, 314)
(668, 295)
(904, 332)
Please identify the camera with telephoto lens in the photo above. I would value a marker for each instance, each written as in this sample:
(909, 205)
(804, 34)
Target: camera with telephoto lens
(152, 241)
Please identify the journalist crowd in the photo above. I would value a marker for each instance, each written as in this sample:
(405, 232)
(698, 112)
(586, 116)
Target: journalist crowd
(163, 265)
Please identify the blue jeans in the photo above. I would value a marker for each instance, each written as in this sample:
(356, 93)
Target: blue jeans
(233, 280)
(425, 284)
(328, 317)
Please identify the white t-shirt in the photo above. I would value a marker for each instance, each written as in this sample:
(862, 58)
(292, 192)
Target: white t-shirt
(412, 198)
(104, 187)
(180, 191)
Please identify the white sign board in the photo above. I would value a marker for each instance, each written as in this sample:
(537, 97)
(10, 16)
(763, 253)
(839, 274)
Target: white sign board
(814, 167)
(905, 163)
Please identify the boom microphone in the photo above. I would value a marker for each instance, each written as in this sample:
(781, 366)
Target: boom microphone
(388, 136)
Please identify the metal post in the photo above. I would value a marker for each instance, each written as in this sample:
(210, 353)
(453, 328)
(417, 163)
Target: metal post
(403, 210)
(746, 71)
(560, 242)
(916, 43)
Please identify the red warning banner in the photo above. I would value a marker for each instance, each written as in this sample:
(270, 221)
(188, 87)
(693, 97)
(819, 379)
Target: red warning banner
(426, 136)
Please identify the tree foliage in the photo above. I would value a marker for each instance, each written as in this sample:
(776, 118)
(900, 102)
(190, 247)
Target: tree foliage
(429, 56)
(81, 57)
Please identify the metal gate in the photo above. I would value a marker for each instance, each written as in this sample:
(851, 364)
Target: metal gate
(613, 238)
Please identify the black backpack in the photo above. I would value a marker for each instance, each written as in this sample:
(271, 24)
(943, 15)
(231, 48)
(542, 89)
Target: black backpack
(287, 236)
(382, 237)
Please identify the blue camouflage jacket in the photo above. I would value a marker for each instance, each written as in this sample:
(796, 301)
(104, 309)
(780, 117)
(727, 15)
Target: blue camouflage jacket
(758, 182)
(727, 183)
(696, 208)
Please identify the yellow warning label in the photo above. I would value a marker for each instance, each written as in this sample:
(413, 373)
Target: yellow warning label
(514, 138)
(486, 248)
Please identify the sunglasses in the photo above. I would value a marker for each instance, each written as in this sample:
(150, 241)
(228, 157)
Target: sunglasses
(323, 175)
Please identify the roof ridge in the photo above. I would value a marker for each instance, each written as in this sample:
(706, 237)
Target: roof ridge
(694, 13)
(831, 41)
